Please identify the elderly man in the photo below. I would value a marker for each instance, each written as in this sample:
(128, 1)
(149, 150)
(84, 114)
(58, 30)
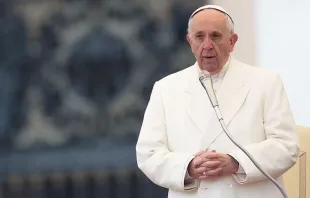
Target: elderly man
(182, 146)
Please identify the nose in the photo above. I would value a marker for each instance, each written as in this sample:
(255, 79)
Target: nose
(207, 44)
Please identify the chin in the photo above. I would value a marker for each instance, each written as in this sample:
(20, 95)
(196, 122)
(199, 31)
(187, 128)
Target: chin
(210, 69)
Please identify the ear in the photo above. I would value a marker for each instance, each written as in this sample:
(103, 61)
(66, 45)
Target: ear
(233, 41)
(188, 38)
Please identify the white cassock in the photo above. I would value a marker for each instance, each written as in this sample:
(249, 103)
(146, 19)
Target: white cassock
(179, 121)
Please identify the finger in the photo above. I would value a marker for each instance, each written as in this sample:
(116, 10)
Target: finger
(197, 161)
(209, 155)
(202, 152)
(199, 153)
(210, 164)
(221, 156)
(214, 172)
(201, 170)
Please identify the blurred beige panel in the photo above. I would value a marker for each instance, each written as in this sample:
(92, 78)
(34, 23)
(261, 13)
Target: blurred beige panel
(295, 178)
(243, 14)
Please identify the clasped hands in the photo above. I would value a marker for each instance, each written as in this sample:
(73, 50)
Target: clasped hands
(210, 164)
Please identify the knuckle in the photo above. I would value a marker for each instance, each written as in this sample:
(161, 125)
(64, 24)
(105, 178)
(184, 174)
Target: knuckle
(209, 164)
(205, 154)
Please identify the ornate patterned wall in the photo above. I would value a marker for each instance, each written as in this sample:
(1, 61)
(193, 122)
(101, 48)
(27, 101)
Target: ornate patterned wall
(72, 71)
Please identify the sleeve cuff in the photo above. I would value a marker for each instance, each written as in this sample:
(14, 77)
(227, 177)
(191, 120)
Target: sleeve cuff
(187, 176)
(240, 170)
(189, 182)
(240, 176)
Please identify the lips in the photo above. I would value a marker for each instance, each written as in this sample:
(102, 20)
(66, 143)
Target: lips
(209, 57)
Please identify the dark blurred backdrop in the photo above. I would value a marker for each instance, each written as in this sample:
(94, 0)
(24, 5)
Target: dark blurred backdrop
(75, 79)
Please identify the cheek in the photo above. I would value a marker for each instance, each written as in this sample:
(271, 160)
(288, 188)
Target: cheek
(196, 50)
(224, 49)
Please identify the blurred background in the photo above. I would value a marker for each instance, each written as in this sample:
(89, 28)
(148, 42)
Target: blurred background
(76, 76)
(274, 34)
(75, 79)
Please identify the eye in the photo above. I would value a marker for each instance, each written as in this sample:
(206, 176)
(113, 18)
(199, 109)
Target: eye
(199, 37)
(216, 35)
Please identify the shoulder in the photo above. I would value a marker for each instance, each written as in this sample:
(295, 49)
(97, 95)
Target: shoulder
(178, 79)
(257, 74)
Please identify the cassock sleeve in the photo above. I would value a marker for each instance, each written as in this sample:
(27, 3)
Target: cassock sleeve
(279, 151)
(163, 167)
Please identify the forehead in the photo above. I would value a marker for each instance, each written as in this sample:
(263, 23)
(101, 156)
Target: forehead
(209, 20)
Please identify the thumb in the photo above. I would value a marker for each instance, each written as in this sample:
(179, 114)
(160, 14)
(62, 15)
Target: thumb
(199, 153)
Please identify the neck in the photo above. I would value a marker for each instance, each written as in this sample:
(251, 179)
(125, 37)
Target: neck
(219, 69)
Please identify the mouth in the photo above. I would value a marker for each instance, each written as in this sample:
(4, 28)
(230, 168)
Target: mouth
(209, 57)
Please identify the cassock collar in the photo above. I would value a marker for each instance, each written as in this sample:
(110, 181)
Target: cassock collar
(223, 71)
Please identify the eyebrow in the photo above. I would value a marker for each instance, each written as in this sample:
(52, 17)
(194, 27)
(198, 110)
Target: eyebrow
(202, 32)
(199, 32)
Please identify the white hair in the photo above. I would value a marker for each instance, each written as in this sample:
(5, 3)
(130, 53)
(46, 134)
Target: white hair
(229, 23)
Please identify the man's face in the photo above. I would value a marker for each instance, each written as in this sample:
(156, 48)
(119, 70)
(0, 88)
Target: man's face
(211, 40)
